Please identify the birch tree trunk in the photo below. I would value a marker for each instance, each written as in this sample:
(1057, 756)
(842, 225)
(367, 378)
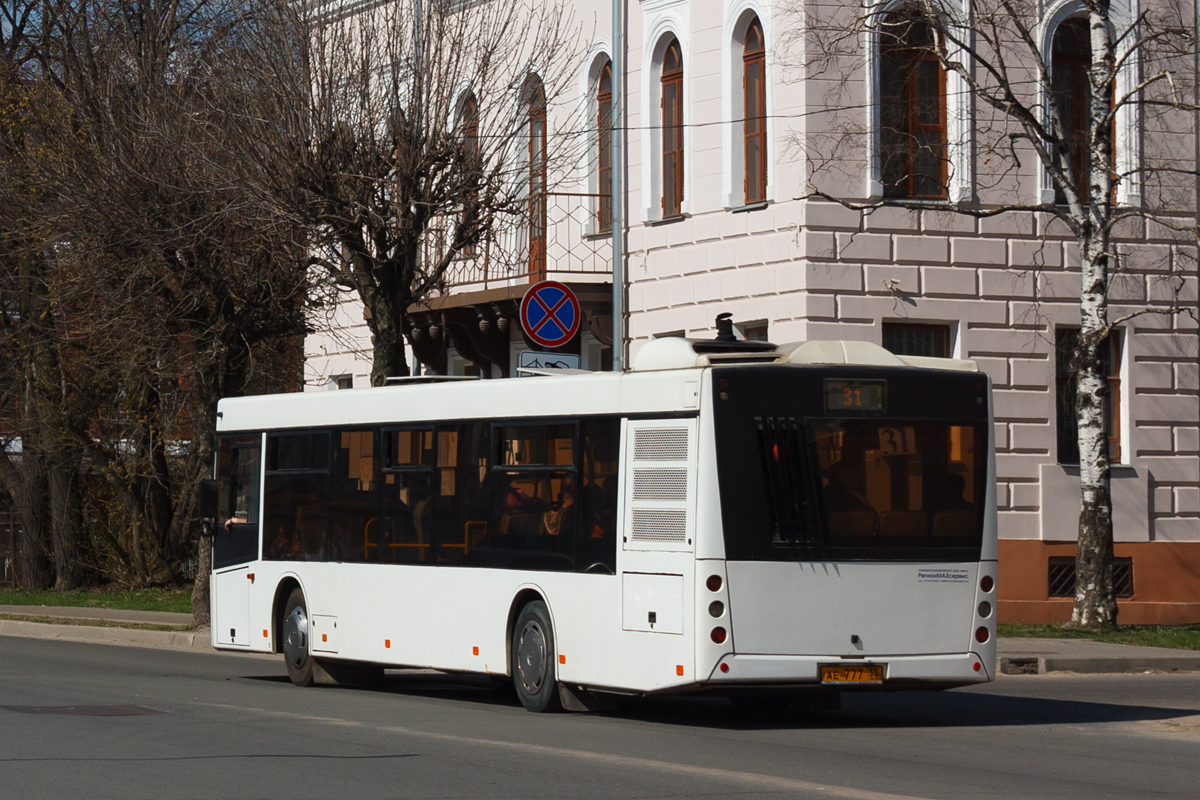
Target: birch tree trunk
(1095, 604)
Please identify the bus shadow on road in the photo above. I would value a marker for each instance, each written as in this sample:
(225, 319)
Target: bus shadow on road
(863, 710)
(876, 710)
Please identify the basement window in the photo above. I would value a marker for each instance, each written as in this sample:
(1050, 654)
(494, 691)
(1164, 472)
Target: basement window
(1062, 577)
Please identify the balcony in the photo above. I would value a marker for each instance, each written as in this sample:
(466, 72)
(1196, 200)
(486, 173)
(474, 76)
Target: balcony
(558, 239)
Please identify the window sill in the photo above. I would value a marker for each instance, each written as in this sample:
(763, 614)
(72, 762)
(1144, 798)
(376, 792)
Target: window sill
(593, 236)
(1121, 466)
(927, 202)
(748, 207)
(668, 220)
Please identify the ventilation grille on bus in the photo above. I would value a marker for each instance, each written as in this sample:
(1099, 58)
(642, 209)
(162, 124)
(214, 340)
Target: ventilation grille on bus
(660, 444)
(661, 485)
(659, 524)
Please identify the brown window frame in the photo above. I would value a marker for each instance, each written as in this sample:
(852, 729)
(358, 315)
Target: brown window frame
(907, 44)
(943, 330)
(1069, 66)
(536, 99)
(604, 127)
(1066, 432)
(754, 113)
(672, 130)
(1069, 79)
(469, 124)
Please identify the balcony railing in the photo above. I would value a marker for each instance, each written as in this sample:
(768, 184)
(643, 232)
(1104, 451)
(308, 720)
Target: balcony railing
(571, 246)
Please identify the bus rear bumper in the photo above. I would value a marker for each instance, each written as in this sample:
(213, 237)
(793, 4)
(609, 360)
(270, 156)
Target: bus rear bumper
(954, 668)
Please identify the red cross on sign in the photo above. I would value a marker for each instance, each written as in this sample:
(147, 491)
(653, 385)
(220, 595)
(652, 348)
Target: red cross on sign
(550, 314)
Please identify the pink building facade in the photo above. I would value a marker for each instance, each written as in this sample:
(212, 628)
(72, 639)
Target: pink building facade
(722, 218)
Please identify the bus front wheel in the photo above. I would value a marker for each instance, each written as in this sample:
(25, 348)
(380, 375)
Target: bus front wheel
(295, 640)
(533, 657)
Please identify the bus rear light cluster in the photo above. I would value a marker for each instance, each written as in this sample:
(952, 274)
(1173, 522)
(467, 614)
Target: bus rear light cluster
(986, 584)
(982, 634)
(718, 635)
(714, 583)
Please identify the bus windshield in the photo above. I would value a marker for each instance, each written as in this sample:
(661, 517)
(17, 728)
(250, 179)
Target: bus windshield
(829, 486)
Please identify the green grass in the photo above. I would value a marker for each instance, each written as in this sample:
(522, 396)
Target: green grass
(1180, 637)
(176, 600)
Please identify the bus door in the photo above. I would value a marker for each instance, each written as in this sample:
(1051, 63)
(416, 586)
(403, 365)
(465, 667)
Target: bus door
(239, 470)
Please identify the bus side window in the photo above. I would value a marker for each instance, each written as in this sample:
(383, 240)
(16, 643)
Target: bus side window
(237, 478)
(461, 516)
(354, 528)
(600, 442)
(534, 513)
(238, 464)
(297, 497)
(404, 528)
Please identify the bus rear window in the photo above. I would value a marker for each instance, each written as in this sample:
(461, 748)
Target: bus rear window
(851, 463)
(906, 483)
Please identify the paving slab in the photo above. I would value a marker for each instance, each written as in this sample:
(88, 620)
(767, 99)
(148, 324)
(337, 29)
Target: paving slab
(174, 640)
(1039, 656)
(106, 614)
(1016, 656)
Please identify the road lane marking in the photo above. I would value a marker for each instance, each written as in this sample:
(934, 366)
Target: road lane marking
(767, 782)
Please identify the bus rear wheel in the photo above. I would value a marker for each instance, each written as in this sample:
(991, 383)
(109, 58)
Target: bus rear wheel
(533, 657)
(295, 640)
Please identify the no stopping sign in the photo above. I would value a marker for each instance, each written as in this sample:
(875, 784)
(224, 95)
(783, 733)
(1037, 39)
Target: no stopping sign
(550, 314)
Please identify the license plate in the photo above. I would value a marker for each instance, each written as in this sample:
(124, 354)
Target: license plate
(857, 673)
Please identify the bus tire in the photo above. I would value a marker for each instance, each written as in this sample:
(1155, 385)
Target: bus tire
(533, 659)
(296, 653)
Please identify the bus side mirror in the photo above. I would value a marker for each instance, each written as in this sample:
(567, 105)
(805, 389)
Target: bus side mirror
(206, 504)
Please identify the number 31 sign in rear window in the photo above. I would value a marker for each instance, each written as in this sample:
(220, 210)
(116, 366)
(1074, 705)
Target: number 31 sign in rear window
(864, 397)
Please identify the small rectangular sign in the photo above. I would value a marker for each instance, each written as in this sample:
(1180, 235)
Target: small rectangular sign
(934, 575)
(532, 359)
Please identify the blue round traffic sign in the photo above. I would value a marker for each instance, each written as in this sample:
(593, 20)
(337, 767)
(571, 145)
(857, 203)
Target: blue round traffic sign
(550, 314)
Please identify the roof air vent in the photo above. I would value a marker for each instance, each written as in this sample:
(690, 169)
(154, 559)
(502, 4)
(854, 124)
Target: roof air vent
(676, 353)
(725, 328)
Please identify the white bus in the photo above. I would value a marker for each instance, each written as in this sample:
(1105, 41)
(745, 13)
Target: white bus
(740, 518)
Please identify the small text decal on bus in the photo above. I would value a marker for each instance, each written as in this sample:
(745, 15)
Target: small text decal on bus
(943, 576)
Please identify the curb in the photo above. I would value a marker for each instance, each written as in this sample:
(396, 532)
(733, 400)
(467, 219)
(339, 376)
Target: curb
(197, 641)
(1017, 665)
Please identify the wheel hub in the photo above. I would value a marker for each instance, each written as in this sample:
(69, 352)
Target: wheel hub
(295, 637)
(531, 657)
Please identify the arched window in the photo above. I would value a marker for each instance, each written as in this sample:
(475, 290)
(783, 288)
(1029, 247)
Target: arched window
(604, 124)
(672, 131)
(1070, 57)
(469, 126)
(536, 105)
(754, 105)
(912, 110)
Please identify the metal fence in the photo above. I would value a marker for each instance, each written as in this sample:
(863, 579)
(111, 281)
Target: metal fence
(562, 238)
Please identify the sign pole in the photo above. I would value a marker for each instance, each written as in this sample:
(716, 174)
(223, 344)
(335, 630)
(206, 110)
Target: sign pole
(617, 202)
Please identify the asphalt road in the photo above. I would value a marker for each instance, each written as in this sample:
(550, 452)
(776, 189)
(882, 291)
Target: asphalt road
(98, 721)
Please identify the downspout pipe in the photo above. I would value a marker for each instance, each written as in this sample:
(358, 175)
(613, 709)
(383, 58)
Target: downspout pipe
(618, 188)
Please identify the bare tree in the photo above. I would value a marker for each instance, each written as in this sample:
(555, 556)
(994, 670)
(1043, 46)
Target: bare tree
(39, 465)
(163, 281)
(414, 131)
(1030, 111)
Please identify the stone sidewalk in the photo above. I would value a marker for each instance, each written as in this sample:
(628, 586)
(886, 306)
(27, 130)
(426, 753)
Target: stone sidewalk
(1016, 656)
(1039, 656)
(185, 638)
